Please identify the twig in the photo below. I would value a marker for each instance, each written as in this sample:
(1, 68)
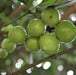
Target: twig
(71, 10)
(3, 32)
(43, 60)
(15, 19)
(15, 12)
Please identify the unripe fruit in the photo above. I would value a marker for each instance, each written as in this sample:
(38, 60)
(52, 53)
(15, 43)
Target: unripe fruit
(3, 53)
(50, 16)
(32, 44)
(17, 35)
(7, 45)
(49, 43)
(36, 28)
(7, 28)
(65, 31)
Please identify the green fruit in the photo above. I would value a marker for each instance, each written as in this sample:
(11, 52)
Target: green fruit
(49, 43)
(3, 53)
(36, 28)
(65, 31)
(50, 16)
(7, 45)
(17, 35)
(7, 28)
(32, 44)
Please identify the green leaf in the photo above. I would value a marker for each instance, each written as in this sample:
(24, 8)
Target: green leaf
(4, 18)
(48, 2)
(23, 20)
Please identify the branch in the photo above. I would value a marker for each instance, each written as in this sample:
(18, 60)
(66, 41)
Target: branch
(43, 60)
(15, 12)
(3, 32)
(15, 19)
(71, 10)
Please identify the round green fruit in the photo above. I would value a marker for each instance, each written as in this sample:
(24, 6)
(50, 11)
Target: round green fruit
(50, 16)
(3, 53)
(49, 43)
(36, 28)
(7, 45)
(32, 44)
(65, 31)
(17, 35)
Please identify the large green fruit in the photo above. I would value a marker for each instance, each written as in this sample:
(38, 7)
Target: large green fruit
(49, 43)
(50, 16)
(65, 31)
(36, 28)
(17, 35)
(3, 53)
(32, 44)
(7, 45)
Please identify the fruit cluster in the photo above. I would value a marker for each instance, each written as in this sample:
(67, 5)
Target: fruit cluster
(36, 37)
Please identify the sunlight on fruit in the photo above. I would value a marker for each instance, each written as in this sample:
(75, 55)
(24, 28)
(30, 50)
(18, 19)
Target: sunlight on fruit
(3, 73)
(19, 63)
(70, 72)
(60, 67)
(46, 65)
(73, 17)
(29, 70)
(39, 65)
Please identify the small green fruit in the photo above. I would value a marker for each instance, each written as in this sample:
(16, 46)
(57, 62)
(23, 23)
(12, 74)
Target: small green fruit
(7, 45)
(36, 28)
(17, 35)
(50, 16)
(49, 43)
(3, 53)
(7, 28)
(32, 44)
(65, 31)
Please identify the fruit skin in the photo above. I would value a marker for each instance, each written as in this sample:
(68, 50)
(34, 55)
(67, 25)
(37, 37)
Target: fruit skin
(17, 35)
(50, 16)
(3, 53)
(32, 44)
(65, 31)
(7, 45)
(49, 43)
(36, 28)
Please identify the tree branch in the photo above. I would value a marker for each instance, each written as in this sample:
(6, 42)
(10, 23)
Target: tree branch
(3, 32)
(43, 60)
(71, 10)
(15, 12)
